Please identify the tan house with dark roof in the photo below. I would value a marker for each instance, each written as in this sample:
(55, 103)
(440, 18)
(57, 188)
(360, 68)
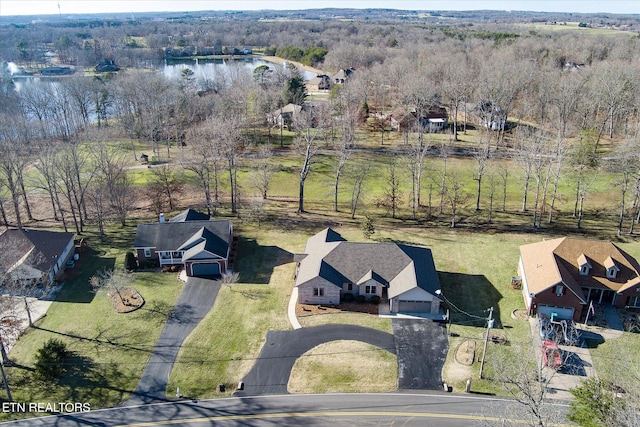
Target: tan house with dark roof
(402, 276)
(564, 275)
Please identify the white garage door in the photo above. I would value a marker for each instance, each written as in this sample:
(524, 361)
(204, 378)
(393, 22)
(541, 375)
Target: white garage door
(414, 306)
(562, 313)
(205, 269)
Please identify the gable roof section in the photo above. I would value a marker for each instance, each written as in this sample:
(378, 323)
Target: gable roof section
(400, 267)
(550, 262)
(171, 236)
(190, 215)
(44, 247)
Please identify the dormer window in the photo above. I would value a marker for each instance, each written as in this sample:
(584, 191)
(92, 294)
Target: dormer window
(584, 265)
(559, 290)
(612, 268)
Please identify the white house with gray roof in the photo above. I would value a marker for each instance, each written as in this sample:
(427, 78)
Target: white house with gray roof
(403, 276)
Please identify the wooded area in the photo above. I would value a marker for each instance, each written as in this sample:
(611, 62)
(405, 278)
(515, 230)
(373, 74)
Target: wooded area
(542, 123)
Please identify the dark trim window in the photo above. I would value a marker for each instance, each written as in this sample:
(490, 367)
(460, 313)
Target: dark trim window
(370, 290)
(318, 292)
(147, 252)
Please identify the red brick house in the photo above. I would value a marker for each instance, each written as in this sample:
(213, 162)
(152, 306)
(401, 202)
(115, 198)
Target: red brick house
(564, 275)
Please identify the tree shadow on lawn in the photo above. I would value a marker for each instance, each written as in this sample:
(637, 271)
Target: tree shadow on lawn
(105, 337)
(472, 294)
(77, 288)
(256, 263)
(83, 381)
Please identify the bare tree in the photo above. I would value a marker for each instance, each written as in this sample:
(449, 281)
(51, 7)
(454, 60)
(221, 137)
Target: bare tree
(455, 196)
(307, 142)
(264, 170)
(359, 174)
(167, 182)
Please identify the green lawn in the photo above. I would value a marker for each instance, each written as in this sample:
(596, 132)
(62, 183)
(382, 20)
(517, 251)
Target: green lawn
(109, 350)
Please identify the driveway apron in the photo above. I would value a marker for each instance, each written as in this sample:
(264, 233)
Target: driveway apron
(421, 346)
(271, 371)
(195, 301)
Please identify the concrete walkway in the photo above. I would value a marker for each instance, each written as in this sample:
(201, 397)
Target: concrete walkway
(291, 309)
(195, 301)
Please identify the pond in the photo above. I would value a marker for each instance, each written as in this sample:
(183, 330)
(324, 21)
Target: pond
(210, 69)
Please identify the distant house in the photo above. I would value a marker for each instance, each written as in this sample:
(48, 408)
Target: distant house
(34, 256)
(433, 120)
(491, 116)
(564, 275)
(284, 116)
(320, 83)
(342, 76)
(402, 276)
(106, 66)
(201, 246)
(56, 71)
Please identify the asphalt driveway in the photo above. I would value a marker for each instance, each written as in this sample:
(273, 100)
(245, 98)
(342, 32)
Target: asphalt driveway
(195, 301)
(421, 347)
(271, 371)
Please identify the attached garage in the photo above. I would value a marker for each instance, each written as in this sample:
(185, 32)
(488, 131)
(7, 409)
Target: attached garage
(562, 313)
(205, 269)
(414, 306)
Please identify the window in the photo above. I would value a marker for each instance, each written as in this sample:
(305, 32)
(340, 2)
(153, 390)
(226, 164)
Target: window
(612, 272)
(147, 252)
(370, 290)
(349, 286)
(584, 270)
(318, 292)
(559, 290)
(634, 302)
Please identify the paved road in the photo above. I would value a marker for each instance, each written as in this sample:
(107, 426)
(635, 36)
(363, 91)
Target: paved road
(406, 409)
(195, 301)
(421, 346)
(271, 371)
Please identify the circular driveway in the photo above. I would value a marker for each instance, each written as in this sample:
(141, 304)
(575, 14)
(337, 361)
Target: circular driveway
(270, 374)
(418, 344)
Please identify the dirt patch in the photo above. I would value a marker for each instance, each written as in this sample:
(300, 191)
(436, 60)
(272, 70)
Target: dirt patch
(303, 310)
(465, 352)
(126, 300)
(519, 314)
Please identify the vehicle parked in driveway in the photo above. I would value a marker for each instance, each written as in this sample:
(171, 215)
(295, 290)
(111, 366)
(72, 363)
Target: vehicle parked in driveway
(551, 355)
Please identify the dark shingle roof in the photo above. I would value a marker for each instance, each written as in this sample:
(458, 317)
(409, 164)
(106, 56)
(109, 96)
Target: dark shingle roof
(190, 215)
(46, 246)
(170, 236)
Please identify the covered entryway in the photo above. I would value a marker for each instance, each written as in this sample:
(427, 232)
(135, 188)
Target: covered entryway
(562, 313)
(414, 306)
(205, 270)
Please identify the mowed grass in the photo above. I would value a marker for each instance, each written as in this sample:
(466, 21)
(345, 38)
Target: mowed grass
(361, 319)
(224, 346)
(109, 350)
(344, 367)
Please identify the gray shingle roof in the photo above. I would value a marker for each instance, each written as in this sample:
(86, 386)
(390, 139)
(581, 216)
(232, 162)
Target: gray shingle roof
(190, 215)
(402, 267)
(170, 236)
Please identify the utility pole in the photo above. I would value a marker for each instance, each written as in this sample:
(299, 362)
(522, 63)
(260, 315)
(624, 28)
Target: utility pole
(486, 339)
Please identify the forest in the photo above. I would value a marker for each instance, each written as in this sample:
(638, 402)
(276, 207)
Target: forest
(543, 120)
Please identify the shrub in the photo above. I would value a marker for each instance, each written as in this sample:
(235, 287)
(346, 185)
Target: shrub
(375, 299)
(50, 359)
(361, 298)
(130, 262)
(348, 297)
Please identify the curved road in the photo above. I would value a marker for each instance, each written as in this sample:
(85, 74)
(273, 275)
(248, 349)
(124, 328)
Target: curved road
(408, 410)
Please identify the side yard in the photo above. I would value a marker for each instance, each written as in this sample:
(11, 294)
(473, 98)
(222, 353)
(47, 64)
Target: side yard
(108, 350)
